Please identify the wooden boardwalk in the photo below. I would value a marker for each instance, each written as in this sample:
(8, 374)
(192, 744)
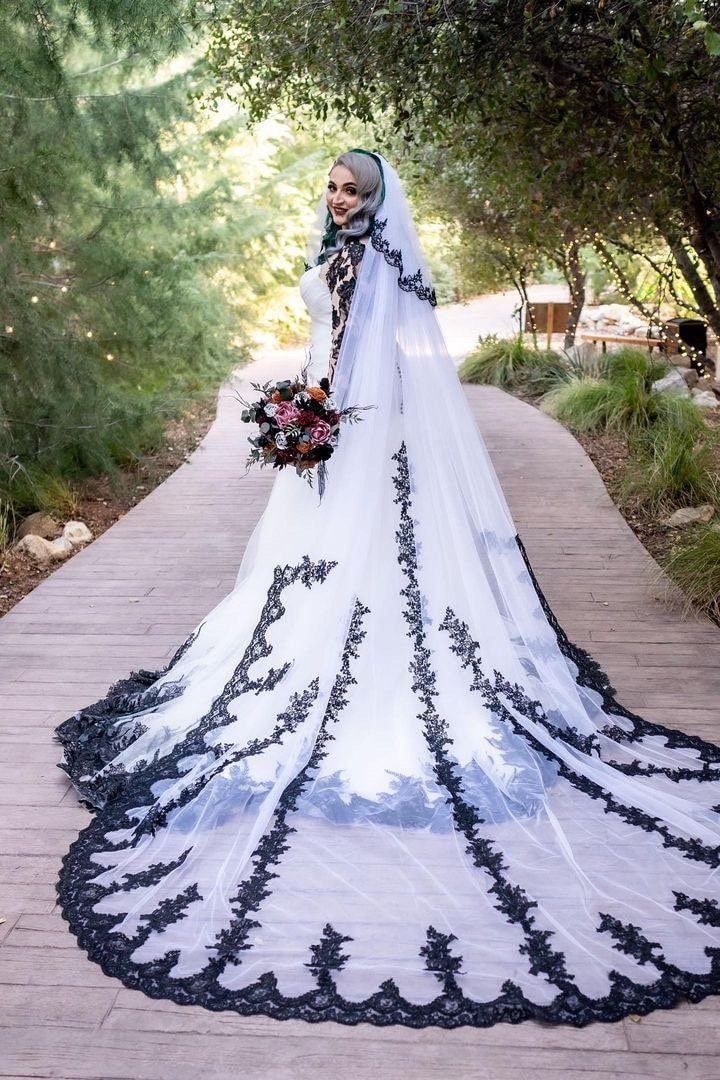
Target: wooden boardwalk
(130, 598)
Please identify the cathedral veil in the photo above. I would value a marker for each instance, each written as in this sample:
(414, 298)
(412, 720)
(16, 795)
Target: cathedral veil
(378, 782)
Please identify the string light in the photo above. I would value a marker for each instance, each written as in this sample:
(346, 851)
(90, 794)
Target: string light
(88, 333)
(34, 299)
(9, 329)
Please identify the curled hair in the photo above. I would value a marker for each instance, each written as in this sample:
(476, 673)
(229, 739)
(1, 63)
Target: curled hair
(369, 182)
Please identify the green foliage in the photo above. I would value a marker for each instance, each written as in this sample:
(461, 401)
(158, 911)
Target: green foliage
(672, 451)
(623, 401)
(34, 489)
(669, 467)
(694, 565)
(628, 364)
(582, 403)
(510, 363)
(141, 240)
(528, 139)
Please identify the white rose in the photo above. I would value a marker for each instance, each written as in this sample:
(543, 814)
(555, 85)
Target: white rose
(281, 440)
(270, 409)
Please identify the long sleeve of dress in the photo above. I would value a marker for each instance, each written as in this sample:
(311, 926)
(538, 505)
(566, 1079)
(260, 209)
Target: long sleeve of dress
(341, 277)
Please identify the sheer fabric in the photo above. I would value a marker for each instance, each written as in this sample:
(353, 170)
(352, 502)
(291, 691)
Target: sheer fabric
(378, 783)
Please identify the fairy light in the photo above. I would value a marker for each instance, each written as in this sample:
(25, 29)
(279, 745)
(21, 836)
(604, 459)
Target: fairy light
(9, 329)
(34, 299)
(109, 356)
(88, 333)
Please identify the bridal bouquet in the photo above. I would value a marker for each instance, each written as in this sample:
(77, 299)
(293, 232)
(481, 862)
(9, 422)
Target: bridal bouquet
(298, 425)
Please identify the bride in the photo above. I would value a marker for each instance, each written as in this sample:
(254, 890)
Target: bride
(378, 783)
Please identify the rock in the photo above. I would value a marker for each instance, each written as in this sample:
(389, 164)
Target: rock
(679, 360)
(584, 355)
(690, 376)
(42, 550)
(39, 524)
(61, 548)
(705, 399)
(37, 547)
(690, 515)
(77, 532)
(631, 325)
(672, 383)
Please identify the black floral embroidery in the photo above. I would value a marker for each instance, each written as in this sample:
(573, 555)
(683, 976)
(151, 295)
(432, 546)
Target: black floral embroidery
(341, 278)
(591, 675)
(90, 737)
(408, 282)
(328, 956)
(288, 721)
(97, 788)
(510, 899)
(154, 873)
(630, 940)
(440, 960)
(707, 911)
(498, 690)
(233, 939)
(169, 911)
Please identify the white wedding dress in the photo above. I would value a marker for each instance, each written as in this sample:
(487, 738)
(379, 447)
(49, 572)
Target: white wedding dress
(316, 297)
(378, 783)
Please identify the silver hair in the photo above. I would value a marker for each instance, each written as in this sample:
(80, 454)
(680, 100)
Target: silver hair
(369, 181)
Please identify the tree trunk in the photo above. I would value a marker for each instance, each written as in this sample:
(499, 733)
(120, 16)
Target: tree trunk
(575, 277)
(703, 298)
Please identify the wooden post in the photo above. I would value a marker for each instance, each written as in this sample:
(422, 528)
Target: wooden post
(550, 321)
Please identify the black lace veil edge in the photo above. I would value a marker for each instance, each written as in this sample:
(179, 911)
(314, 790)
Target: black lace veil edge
(594, 677)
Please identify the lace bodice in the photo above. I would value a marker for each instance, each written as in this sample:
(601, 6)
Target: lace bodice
(327, 291)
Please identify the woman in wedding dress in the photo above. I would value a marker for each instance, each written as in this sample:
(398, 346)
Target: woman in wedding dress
(378, 783)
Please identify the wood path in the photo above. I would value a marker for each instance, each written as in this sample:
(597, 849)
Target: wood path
(130, 598)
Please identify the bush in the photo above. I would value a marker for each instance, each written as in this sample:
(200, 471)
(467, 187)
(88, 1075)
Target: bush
(636, 365)
(623, 401)
(694, 565)
(508, 362)
(670, 467)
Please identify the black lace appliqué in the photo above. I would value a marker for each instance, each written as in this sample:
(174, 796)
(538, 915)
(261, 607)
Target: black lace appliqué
(591, 675)
(99, 740)
(341, 278)
(408, 282)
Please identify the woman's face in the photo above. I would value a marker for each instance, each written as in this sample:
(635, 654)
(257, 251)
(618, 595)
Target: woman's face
(342, 194)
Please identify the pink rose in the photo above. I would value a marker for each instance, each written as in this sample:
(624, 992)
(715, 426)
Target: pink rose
(320, 432)
(286, 413)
